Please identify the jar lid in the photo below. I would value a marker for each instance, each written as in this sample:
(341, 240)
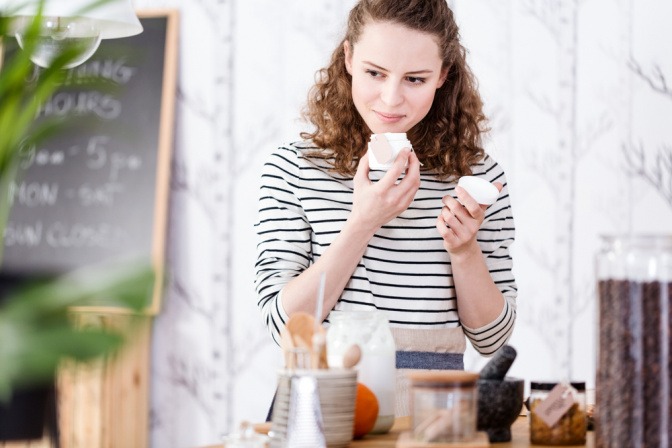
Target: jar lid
(578, 385)
(458, 378)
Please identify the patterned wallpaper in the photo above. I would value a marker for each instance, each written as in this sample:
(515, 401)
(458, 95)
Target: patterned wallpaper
(579, 96)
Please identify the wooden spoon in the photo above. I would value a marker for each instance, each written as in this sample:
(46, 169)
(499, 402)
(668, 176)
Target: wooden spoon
(318, 359)
(304, 334)
(352, 356)
(302, 352)
(301, 325)
(287, 345)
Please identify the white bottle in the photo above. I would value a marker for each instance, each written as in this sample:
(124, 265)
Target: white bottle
(377, 367)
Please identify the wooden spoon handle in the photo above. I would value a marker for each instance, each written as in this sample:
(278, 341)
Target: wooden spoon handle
(318, 358)
(287, 346)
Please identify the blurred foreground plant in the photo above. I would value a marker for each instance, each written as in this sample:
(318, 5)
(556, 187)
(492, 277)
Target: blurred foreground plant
(20, 100)
(37, 329)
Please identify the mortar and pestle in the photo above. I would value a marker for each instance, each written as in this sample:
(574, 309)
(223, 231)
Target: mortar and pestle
(500, 398)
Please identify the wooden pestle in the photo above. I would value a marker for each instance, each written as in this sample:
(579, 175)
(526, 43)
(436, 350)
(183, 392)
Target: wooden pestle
(499, 364)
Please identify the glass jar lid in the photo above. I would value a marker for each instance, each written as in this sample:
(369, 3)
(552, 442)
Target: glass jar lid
(578, 385)
(442, 378)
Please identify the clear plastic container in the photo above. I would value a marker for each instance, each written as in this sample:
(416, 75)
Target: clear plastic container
(570, 429)
(377, 368)
(443, 405)
(634, 366)
(246, 437)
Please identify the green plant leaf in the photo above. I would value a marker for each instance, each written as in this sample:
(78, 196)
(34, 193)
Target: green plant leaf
(39, 351)
(127, 284)
(37, 329)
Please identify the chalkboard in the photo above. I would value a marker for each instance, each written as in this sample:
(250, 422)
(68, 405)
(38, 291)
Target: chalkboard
(98, 189)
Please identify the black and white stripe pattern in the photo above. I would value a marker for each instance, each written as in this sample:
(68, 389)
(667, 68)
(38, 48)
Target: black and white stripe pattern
(405, 270)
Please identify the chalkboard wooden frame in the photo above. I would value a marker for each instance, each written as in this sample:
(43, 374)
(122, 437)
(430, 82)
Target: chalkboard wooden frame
(161, 159)
(167, 124)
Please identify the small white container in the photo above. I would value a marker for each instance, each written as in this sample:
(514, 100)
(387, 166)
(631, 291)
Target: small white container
(384, 148)
(246, 437)
(481, 190)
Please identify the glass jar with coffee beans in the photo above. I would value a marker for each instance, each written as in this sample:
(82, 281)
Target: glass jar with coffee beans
(634, 366)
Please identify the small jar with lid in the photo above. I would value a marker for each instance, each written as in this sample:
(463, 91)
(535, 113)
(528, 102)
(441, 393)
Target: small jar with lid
(558, 413)
(443, 405)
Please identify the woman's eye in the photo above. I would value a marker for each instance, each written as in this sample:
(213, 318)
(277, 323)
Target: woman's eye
(373, 73)
(415, 80)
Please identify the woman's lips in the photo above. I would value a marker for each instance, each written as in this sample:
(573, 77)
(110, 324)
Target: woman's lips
(389, 118)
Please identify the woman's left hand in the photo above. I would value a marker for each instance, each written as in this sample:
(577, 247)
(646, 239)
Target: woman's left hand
(459, 222)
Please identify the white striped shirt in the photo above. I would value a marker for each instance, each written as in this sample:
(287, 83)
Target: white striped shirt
(405, 271)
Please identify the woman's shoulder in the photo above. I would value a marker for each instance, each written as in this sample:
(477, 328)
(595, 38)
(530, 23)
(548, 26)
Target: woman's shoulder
(303, 154)
(300, 159)
(285, 156)
(487, 167)
(298, 151)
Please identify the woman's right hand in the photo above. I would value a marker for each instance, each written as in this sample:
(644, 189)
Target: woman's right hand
(377, 203)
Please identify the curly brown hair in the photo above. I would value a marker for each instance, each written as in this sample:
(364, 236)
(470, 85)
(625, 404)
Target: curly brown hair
(447, 140)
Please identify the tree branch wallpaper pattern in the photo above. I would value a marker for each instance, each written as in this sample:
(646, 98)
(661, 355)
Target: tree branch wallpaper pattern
(579, 98)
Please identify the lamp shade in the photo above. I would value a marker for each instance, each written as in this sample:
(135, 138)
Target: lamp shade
(114, 18)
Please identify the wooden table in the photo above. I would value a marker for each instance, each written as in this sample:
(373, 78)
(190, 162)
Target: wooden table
(520, 436)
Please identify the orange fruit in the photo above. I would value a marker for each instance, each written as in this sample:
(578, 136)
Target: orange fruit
(366, 411)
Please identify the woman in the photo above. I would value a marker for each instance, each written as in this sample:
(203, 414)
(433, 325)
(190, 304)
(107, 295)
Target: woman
(408, 241)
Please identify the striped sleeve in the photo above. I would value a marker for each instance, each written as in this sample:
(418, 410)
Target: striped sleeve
(495, 238)
(283, 236)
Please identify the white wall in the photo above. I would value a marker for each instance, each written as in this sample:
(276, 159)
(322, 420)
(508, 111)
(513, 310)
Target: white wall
(580, 101)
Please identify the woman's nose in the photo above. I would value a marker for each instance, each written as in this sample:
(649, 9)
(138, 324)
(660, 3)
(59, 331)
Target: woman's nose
(392, 94)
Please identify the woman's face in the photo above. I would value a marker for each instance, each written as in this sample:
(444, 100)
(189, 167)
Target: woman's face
(395, 73)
